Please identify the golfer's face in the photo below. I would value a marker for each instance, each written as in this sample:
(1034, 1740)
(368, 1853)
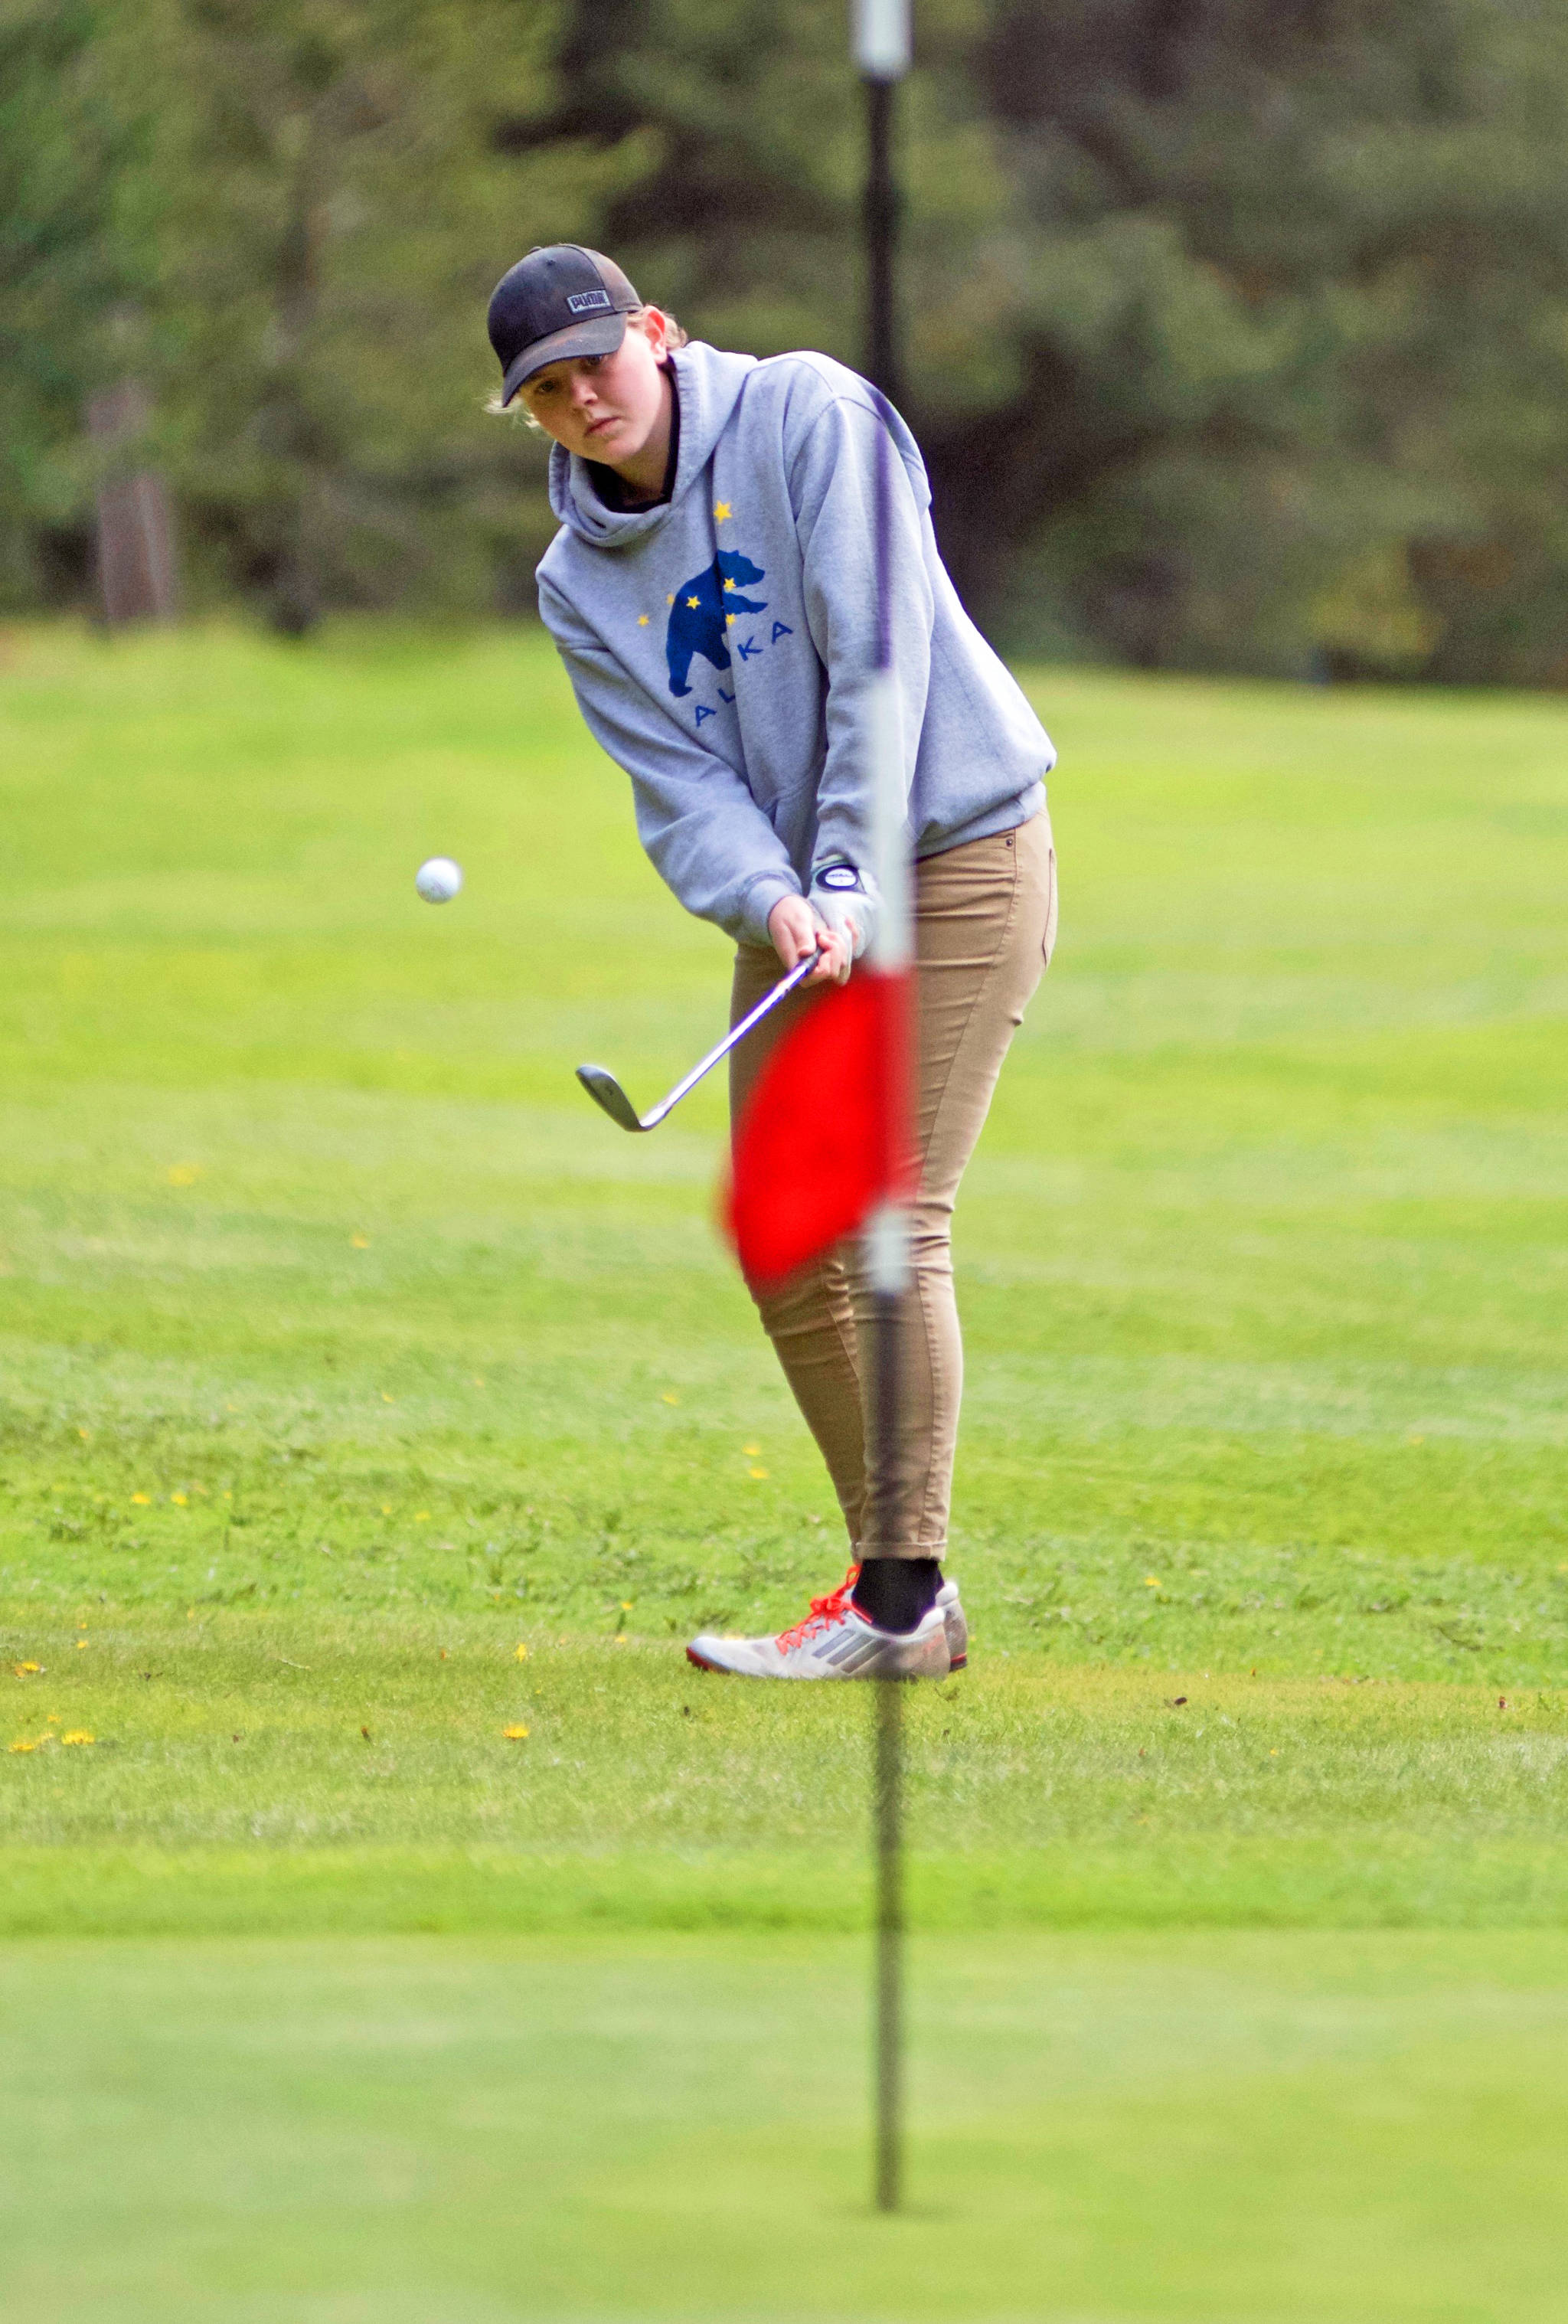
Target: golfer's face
(604, 406)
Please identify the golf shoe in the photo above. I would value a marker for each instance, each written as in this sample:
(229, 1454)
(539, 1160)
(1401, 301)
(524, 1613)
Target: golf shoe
(836, 1640)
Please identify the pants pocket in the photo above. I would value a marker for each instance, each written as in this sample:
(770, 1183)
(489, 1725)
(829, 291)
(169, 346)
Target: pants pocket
(1048, 943)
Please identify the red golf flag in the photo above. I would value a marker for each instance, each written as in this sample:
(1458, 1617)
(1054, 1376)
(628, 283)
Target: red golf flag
(813, 1151)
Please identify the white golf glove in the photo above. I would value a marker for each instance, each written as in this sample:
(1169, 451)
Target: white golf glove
(845, 898)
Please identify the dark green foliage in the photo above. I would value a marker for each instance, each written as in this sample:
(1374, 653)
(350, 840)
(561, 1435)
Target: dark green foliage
(1298, 314)
(1237, 336)
(336, 214)
(64, 272)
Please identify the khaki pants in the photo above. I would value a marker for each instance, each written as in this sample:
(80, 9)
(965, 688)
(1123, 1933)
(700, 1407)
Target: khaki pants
(985, 924)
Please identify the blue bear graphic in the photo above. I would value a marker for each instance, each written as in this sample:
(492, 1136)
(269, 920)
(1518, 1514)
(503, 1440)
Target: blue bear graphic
(697, 615)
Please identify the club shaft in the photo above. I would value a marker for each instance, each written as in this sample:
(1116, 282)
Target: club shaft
(721, 1049)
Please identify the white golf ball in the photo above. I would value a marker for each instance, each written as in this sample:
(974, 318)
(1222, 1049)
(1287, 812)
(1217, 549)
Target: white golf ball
(440, 879)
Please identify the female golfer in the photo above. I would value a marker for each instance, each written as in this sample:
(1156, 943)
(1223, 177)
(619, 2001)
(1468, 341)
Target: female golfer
(712, 592)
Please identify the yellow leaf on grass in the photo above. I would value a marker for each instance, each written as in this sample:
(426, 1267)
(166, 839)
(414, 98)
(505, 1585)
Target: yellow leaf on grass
(22, 1743)
(514, 1734)
(522, 1654)
(27, 1670)
(79, 1735)
(141, 1501)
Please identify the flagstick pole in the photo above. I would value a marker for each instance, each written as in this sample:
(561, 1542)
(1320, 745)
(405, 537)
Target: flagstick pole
(887, 1257)
(882, 48)
(890, 2000)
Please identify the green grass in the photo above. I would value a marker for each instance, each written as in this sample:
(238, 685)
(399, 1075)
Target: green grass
(340, 1774)
(1227, 2130)
(344, 1351)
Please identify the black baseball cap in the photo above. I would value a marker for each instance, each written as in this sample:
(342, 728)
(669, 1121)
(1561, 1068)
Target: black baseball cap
(556, 303)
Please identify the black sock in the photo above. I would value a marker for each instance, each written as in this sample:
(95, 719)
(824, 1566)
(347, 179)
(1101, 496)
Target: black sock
(896, 1594)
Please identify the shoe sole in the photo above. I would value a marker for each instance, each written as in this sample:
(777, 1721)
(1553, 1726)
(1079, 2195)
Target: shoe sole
(722, 1670)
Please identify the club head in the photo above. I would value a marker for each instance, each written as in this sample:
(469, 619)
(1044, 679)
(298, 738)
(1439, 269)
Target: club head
(605, 1089)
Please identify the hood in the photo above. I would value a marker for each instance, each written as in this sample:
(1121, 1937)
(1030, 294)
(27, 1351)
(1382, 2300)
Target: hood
(708, 383)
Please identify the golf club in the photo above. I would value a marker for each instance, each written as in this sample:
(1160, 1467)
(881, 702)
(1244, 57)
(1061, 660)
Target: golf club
(605, 1089)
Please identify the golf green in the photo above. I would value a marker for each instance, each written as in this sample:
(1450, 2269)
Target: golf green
(365, 1395)
(1220, 2130)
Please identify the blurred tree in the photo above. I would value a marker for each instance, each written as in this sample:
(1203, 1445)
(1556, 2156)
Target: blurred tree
(65, 272)
(1209, 304)
(1237, 336)
(337, 212)
(1298, 299)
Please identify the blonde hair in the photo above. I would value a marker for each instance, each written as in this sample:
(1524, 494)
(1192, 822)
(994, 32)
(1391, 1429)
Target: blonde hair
(674, 337)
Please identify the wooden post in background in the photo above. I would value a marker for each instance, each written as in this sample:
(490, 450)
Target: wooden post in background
(136, 536)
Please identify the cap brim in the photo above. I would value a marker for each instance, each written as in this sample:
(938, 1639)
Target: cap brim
(601, 336)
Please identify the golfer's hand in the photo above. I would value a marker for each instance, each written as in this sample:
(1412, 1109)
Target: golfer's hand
(796, 930)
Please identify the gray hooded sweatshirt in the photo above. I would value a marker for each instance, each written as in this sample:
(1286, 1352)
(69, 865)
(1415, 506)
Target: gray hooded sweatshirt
(721, 645)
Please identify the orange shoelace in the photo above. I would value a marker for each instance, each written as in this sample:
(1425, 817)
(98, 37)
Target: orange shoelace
(823, 1610)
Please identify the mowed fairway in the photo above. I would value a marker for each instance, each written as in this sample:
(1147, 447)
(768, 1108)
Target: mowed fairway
(364, 1394)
